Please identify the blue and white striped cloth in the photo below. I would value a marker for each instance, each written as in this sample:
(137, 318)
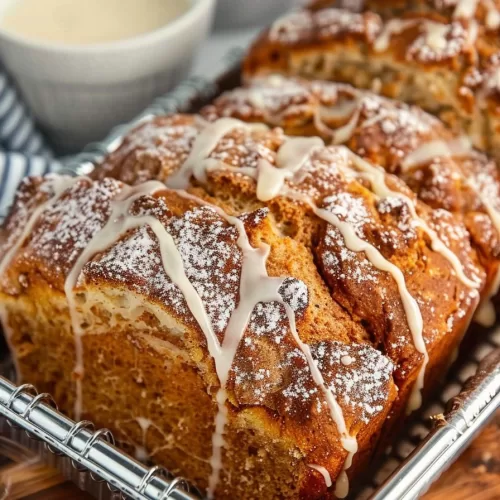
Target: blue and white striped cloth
(23, 150)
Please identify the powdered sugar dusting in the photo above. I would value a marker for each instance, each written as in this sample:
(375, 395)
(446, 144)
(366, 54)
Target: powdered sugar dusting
(485, 11)
(243, 150)
(154, 147)
(293, 102)
(456, 237)
(274, 98)
(300, 388)
(361, 385)
(337, 259)
(29, 195)
(295, 294)
(212, 261)
(324, 24)
(160, 140)
(66, 228)
(135, 261)
(333, 22)
(382, 227)
(438, 42)
(269, 318)
(291, 27)
(350, 209)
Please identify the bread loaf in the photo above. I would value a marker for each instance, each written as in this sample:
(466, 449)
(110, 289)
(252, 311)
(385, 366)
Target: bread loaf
(443, 56)
(99, 313)
(255, 325)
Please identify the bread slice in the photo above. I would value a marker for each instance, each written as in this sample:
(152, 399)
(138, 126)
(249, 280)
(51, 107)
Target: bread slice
(442, 59)
(441, 168)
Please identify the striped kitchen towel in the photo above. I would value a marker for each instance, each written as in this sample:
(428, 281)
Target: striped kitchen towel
(23, 150)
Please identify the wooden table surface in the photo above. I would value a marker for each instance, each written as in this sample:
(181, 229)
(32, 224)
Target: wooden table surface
(474, 476)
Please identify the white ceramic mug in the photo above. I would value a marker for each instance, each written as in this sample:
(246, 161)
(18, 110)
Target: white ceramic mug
(78, 93)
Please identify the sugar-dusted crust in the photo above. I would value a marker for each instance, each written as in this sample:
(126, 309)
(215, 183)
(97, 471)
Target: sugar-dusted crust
(371, 296)
(391, 134)
(424, 53)
(148, 373)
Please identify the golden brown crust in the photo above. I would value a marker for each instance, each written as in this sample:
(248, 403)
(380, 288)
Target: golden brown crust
(347, 308)
(446, 63)
(367, 294)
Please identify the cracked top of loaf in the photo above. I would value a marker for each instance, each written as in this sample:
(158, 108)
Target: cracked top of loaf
(442, 168)
(329, 176)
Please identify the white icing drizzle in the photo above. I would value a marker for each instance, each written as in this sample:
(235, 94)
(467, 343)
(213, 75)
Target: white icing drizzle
(58, 185)
(466, 9)
(342, 109)
(492, 16)
(270, 180)
(141, 453)
(323, 472)
(274, 184)
(412, 310)
(266, 175)
(490, 208)
(391, 27)
(346, 360)
(413, 315)
(217, 442)
(435, 35)
(257, 286)
(349, 442)
(289, 159)
(439, 148)
(485, 314)
(119, 222)
(202, 147)
(376, 177)
(344, 133)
